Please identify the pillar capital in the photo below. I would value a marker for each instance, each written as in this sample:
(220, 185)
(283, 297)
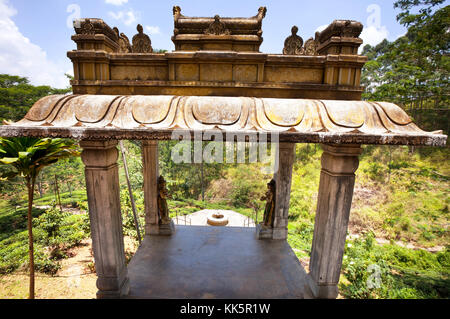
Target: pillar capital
(99, 154)
(340, 160)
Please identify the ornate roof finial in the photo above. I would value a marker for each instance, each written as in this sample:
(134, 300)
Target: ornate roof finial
(124, 43)
(141, 41)
(262, 12)
(217, 27)
(310, 47)
(176, 10)
(293, 45)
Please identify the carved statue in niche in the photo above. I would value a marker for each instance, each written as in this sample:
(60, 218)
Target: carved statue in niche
(293, 45)
(269, 211)
(163, 209)
(141, 42)
(124, 43)
(217, 27)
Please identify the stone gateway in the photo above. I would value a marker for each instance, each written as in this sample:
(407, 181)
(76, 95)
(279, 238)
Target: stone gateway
(217, 82)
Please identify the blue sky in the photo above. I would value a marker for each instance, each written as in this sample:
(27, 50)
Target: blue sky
(35, 36)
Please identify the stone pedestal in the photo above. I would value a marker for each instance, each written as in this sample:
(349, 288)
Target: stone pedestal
(102, 186)
(283, 178)
(151, 174)
(263, 233)
(337, 179)
(167, 229)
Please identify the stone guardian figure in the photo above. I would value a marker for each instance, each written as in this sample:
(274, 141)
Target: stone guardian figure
(163, 209)
(269, 197)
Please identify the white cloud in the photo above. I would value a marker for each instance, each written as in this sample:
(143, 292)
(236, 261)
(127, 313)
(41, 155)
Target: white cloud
(116, 2)
(152, 30)
(373, 35)
(126, 17)
(321, 28)
(19, 56)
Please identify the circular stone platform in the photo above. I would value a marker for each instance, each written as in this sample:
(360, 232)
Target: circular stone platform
(200, 218)
(216, 218)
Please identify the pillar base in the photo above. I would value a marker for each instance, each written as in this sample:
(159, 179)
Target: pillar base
(329, 291)
(263, 233)
(161, 229)
(123, 291)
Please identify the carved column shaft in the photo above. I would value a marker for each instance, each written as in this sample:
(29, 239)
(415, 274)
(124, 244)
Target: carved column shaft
(283, 178)
(102, 186)
(151, 173)
(337, 180)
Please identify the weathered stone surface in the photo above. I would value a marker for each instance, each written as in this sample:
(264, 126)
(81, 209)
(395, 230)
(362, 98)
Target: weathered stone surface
(217, 33)
(337, 178)
(157, 117)
(283, 179)
(102, 186)
(150, 174)
(215, 262)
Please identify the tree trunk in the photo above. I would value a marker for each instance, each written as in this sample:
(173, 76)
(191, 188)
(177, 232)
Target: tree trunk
(130, 192)
(202, 181)
(30, 187)
(57, 192)
(39, 184)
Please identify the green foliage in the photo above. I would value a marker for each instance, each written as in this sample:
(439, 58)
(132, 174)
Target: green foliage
(17, 96)
(413, 70)
(402, 272)
(54, 233)
(29, 155)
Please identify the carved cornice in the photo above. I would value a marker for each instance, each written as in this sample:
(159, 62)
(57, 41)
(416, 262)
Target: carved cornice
(348, 121)
(93, 27)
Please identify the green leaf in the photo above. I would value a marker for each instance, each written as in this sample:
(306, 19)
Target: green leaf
(9, 160)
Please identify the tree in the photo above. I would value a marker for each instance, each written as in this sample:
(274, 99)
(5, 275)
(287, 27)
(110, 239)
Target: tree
(17, 95)
(28, 156)
(414, 69)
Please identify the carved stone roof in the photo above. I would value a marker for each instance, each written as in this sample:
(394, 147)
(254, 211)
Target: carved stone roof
(200, 25)
(217, 33)
(341, 28)
(157, 116)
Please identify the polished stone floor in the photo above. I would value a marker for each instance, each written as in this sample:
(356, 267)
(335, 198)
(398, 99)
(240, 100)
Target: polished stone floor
(215, 262)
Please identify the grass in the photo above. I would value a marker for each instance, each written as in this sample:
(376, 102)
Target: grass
(402, 273)
(48, 287)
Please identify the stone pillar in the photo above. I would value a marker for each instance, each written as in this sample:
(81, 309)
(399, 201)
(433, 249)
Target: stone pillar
(337, 178)
(151, 173)
(283, 178)
(102, 186)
